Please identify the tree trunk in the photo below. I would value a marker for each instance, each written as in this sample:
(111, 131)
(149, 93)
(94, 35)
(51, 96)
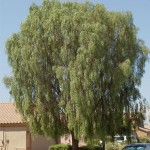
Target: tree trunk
(57, 140)
(103, 145)
(137, 137)
(75, 142)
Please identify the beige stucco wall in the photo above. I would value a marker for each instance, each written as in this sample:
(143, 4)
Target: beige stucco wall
(19, 138)
(14, 138)
(1, 138)
(67, 139)
(41, 143)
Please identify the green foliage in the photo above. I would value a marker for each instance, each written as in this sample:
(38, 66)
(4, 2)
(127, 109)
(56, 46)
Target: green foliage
(144, 139)
(91, 142)
(90, 148)
(76, 68)
(112, 146)
(60, 147)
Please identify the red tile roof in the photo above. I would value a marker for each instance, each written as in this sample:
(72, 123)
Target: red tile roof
(9, 115)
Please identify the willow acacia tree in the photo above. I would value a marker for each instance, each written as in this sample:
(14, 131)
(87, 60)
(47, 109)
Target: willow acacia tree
(76, 69)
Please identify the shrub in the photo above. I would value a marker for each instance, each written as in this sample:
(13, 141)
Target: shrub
(68, 147)
(93, 141)
(144, 140)
(112, 146)
(60, 147)
(115, 146)
(97, 147)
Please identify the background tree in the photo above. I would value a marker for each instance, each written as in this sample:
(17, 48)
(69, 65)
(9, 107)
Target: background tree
(76, 68)
(138, 116)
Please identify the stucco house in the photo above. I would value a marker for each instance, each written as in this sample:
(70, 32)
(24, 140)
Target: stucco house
(144, 131)
(67, 139)
(14, 132)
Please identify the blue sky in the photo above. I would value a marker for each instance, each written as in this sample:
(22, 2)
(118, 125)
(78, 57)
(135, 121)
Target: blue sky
(13, 12)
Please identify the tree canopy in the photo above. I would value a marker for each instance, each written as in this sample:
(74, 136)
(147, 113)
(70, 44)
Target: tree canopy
(76, 68)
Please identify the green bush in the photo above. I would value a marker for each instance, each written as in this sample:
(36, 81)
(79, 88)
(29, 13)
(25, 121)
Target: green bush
(112, 146)
(68, 147)
(90, 148)
(144, 140)
(93, 141)
(60, 147)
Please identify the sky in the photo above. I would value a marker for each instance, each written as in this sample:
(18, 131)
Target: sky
(13, 12)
